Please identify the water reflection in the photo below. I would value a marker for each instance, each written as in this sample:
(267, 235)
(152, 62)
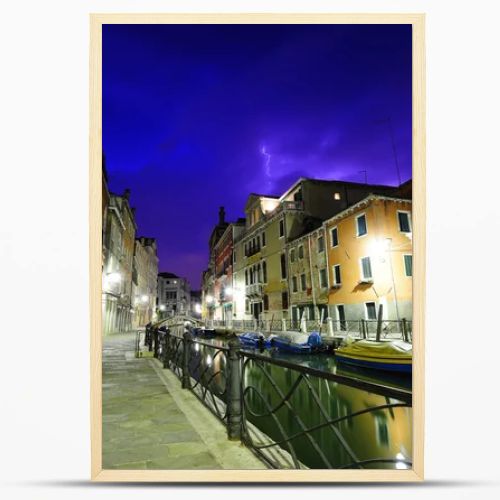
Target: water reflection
(384, 433)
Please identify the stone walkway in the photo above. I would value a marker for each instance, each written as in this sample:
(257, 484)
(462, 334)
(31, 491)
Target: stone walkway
(149, 422)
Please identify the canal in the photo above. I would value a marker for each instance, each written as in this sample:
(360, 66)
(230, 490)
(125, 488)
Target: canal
(377, 437)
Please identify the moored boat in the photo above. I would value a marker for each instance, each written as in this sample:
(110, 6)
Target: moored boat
(388, 355)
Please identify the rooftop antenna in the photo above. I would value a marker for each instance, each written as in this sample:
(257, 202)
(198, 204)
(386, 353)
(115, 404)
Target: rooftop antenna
(366, 175)
(393, 142)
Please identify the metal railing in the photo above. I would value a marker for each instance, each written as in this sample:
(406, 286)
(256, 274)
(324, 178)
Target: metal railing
(242, 389)
(361, 329)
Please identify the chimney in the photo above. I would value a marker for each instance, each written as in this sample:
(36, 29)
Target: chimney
(222, 216)
(126, 194)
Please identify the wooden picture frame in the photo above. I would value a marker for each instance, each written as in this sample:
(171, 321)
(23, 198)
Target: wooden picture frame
(419, 246)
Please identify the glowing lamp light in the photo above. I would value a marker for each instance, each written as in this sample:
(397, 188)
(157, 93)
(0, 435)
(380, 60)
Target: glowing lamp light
(209, 299)
(228, 291)
(114, 277)
(197, 308)
(400, 465)
(144, 298)
(209, 360)
(378, 247)
(163, 307)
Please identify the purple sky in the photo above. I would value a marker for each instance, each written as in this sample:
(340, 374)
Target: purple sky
(199, 116)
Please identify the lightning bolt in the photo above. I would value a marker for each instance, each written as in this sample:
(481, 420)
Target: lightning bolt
(267, 160)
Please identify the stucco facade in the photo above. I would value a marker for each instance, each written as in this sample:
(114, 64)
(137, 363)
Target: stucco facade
(371, 243)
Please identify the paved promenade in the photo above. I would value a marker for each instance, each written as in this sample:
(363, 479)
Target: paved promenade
(149, 422)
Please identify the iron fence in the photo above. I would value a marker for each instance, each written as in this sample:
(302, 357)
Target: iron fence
(360, 328)
(260, 400)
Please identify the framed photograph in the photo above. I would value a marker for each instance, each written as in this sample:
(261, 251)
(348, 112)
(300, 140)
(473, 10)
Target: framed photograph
(257, 247)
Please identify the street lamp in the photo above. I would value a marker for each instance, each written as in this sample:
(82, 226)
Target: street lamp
(144, 298)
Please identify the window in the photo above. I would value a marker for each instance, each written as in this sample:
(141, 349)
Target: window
(247, 305)
(283, 266)
(246, 277)
(336, 196)
(282, 228)
(366, 268)
(408, 265)
(321, 244)
(361, 225)
(264, 239)
(234, 255)
(264, 272)
(371, 310)
(265, 299)
(323, 278)
(404, 222)
(336, 275)
(292, 255)
(294, 284)
(284, 300)
(303, 284)
(301, 251)
(335, 237)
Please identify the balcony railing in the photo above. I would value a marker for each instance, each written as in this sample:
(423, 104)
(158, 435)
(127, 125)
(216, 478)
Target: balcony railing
(252, 250)
(292, 205)
(254, 290)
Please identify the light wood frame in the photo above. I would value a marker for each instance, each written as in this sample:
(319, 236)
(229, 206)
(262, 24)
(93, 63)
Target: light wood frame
(419, 246)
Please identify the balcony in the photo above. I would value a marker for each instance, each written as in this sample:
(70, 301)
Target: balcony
(254, 290)
(252, 250)
(292, 205)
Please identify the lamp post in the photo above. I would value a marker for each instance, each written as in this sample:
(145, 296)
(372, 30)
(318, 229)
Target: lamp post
(389, 251)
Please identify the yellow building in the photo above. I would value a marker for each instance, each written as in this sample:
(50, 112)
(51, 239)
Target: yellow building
(369, 249)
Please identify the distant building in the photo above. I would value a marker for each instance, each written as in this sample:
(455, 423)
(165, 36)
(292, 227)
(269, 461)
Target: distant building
(144, 281)
(118, 253)
(224, 290)
(208, 277)
(173, 295)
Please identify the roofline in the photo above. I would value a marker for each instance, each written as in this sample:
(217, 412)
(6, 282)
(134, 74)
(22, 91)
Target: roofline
(359, 204)
(334, 181)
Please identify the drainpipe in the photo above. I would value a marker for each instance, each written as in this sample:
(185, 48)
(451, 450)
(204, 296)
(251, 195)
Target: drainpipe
(311, 271)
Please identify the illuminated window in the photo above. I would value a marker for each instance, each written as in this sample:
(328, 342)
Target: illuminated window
(283, 266)
(337, 280)
(322, 279)
(282, 228)
(366, 268)
(408, 265)
(335, 237)
(336, 196)
(303, 284)
(404, 222)
(321, 244)
(361, 225)
(371, 310)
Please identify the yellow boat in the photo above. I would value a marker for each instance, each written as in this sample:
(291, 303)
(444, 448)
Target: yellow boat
(389, 355)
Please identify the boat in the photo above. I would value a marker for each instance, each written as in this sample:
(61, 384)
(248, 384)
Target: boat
(298, 343)
(387, 355)
(208, 333)
(254, 340)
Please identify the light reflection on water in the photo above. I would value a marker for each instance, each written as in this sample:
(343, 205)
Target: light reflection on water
(384, 433)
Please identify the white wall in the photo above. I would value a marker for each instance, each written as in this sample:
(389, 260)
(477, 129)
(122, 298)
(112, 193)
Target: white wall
(44, 241)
